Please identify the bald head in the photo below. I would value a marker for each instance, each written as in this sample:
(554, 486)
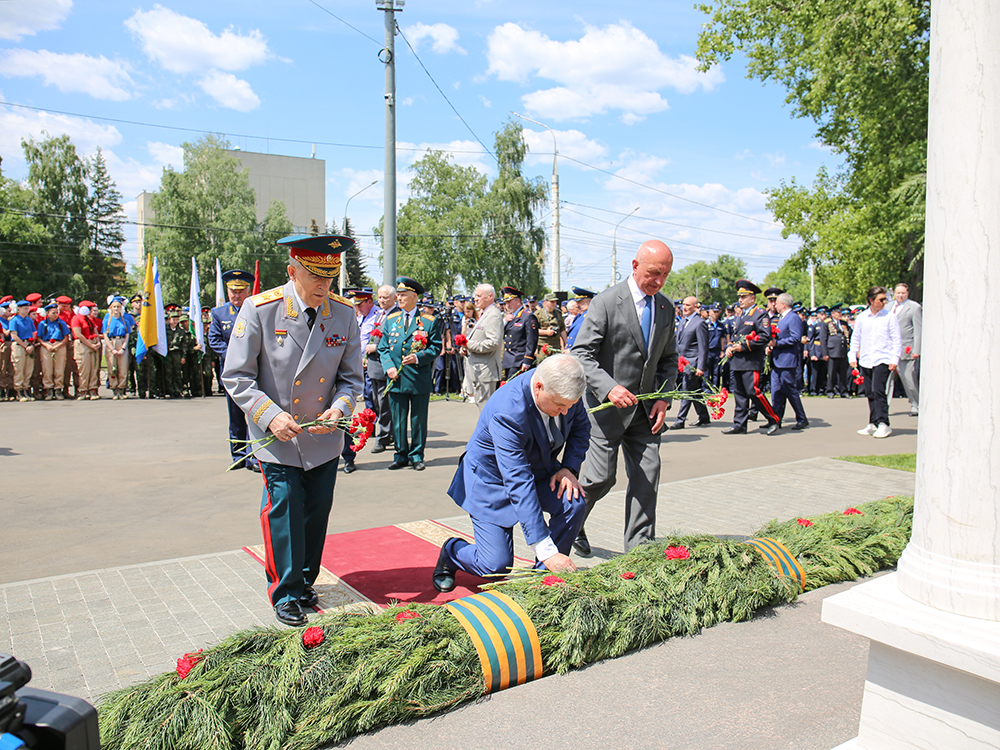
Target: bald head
(652, 265)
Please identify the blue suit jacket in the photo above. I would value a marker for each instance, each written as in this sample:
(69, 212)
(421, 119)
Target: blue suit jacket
(787, 352)
(503, 476)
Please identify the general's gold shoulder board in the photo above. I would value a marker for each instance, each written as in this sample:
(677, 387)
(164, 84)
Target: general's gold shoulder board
(428, 318)
(269, 296)
(394, 315)
(342, 300)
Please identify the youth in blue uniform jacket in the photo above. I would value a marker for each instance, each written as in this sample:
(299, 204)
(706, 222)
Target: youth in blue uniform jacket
(512, 473)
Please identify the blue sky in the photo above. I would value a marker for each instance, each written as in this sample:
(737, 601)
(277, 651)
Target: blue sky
(636, 125)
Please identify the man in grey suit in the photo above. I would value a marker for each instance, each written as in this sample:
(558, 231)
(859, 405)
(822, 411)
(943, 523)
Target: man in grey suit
(485, 346)
(627, 346)
(692, 344)
(910, 316)
(294, 357)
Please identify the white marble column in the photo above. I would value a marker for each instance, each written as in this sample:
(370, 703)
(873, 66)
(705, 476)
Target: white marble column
(934, 664)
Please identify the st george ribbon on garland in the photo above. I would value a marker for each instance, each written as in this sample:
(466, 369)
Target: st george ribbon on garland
(783, 561)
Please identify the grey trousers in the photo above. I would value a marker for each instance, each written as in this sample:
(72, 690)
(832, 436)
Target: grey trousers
(907, 370)
(641, 450)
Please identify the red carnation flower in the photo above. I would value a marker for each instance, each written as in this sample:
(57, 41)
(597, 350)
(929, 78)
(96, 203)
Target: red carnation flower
(752, 336)
(406, 614)
(682, 363)
(461, 340)
(312, 637)
(853, 512)
(677, 553)
(805, 522)
(186, 663)
(908, 349)
(774, 330)
(552, 580)
(376, 332)
(419, 337)
(628, 576)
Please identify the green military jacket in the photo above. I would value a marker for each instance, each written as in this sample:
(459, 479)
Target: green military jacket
(397, 342)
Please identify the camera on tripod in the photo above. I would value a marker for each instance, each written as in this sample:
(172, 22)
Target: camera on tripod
(41, 720)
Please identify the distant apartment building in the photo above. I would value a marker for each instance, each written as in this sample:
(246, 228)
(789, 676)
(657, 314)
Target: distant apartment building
(298, 182)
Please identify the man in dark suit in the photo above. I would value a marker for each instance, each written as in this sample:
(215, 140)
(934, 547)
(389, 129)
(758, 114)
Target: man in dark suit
(410, 366)
(628, 346)
(692, 344)
(386, 297)
(219, 331)
(746, 352)
(520, 334)
(512, 473)
(838, 341)
(786, 359)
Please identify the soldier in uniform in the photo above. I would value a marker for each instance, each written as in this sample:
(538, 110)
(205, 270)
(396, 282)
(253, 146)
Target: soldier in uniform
(6, 366)
(219, 332)
(520, 334)
(817, 352)
(551, 328)
(583, 297)
(838, 342)
(133, 341)
(177, 347)
(209, 359)
(716, 342)
(751, 335)
(409, 365)
(294, 356)
(366, 313)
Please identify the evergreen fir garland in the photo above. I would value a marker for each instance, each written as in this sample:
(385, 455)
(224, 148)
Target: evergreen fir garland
(264, 688)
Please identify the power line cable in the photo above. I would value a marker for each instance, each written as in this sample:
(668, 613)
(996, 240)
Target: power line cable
(345, 22)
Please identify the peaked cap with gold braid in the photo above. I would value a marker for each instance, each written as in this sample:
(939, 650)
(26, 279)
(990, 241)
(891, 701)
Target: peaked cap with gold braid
(320, 255)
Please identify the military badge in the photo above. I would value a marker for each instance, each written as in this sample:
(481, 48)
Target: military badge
(280, 334)
(336, 340)
(241, 328)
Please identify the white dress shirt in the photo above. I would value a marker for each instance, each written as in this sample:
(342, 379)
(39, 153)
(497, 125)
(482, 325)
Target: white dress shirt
(876, 339)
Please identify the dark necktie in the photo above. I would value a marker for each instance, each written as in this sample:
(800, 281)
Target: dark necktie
(647, 321)
(311, 314)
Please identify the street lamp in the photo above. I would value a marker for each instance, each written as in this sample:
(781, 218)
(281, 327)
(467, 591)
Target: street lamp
(614, 250)
(556, 281)
(696, 285)
(343, 261)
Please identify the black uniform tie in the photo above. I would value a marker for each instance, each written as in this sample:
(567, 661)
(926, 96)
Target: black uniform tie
(311, 314)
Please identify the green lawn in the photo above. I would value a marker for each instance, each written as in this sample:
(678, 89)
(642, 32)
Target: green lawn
(901, 461)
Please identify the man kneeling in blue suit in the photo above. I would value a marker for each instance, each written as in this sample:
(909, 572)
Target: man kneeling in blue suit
(511, 473)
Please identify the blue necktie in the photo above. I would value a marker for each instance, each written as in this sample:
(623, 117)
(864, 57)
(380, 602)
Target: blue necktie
(647, 321)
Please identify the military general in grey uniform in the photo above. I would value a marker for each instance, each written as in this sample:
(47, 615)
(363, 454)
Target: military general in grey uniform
(294, 357)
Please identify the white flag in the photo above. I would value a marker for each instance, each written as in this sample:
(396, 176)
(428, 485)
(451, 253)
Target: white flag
(220, 296)
(194, 306)
(161, 325)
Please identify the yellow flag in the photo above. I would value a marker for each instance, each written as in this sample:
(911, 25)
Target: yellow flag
(148, 322)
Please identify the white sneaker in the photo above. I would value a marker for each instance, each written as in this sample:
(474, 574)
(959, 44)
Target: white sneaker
(869, 430)
(883, 431)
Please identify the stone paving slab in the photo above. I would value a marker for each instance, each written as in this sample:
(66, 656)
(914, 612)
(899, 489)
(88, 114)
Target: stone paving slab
(88, 633)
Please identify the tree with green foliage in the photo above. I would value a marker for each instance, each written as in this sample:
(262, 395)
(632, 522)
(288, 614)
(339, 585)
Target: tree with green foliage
(796, 282)
(208, 211)
(23, 242)
(859, 69)
(107, 219)
(439, 229)
(697, 277)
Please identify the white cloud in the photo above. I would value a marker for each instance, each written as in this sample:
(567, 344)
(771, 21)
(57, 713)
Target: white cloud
(166, 155)
(486, 102)
(444, 38)
(744, 154)
(229, 91)
(20, 18)
(612, 68)
(186, 45)
(71, 73)
(571, 143)
(775, 160)
(463, 153)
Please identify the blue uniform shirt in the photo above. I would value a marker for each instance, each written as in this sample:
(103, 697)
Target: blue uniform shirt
(49, 330)
(23, 327)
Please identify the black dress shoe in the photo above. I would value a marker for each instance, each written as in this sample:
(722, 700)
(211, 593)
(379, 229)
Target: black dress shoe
(418, 465)
(444, 575)
(752, 418)
(801, 425)
(254, 465)
(582, 545)
(398, 465)
(309, 597)
(378, 448)
(703, 423)
(735, 431)
(677, 426)
(350, 468)
(290, 613)
(772, 428)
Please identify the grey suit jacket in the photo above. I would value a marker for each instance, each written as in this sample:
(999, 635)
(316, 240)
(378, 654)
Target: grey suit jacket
(911, 320)
(692, 342)
(486, 346)
(275, 364)
(610, 347)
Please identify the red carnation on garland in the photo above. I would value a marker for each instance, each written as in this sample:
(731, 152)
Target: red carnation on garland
(853, 512)
(805, 522)
(628, 576)
(677, 553)
(312, 637)
(406, 614)
(186, 663)
(461, 340)
(552, 580)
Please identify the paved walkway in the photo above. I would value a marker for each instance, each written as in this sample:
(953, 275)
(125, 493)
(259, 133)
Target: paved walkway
(87, 633)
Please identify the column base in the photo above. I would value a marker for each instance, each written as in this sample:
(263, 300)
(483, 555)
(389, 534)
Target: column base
(933, 677)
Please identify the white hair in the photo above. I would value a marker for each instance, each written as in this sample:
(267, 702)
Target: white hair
(488, 288)
(561, 375)
(786, 299)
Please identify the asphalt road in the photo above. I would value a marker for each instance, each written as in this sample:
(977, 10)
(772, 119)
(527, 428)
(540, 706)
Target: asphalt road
(97, 484)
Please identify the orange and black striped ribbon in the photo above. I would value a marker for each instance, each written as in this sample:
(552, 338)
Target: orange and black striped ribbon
(780, 558)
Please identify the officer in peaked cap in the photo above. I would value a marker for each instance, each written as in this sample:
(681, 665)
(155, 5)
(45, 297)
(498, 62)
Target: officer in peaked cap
(409, 366)
(520, 334)
(238, 284)
(751, 335)
(367, 313)
(583, 297)
(294, 357)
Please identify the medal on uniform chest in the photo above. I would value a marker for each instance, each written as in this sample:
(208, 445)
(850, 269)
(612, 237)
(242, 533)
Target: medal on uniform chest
(280, 334)
(335, 340)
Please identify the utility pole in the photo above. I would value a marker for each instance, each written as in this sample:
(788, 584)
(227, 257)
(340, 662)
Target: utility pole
(388, 58)
(554, 245)
(812, 285)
